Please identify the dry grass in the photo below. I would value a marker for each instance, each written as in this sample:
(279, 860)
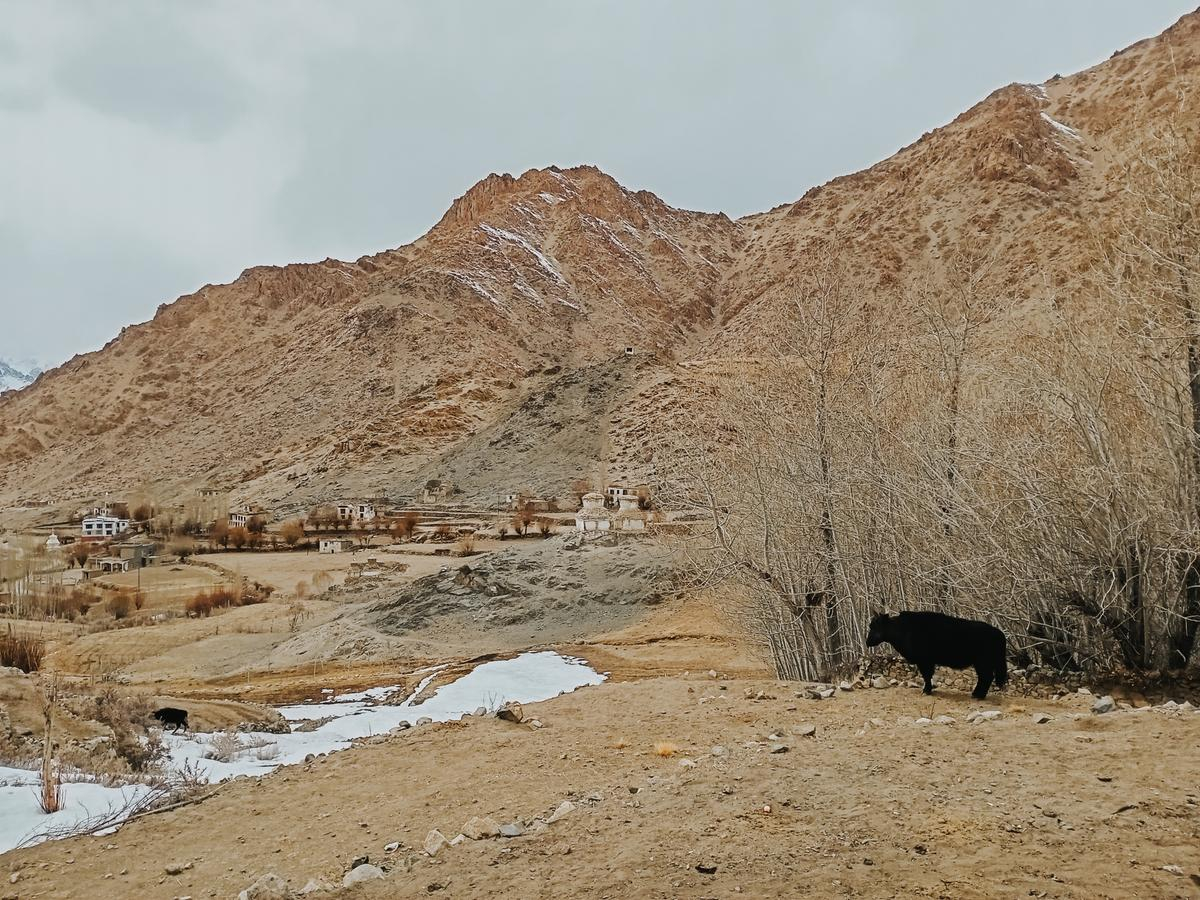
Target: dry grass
(25, 651)
(665, 749)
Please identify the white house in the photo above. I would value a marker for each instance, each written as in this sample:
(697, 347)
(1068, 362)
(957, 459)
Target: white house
(104, 526)
(335, 545)
(241, 516)
(360, 512)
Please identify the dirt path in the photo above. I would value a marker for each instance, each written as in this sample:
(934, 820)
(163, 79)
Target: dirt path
(1083, 807)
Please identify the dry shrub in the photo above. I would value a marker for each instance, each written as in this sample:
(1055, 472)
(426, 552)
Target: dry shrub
(200, 606)
(223, 746)
(466, 544)
(25, 651)
(126, 715)
(665, 749)
(321, 579)
(545, 525)
(120, 605)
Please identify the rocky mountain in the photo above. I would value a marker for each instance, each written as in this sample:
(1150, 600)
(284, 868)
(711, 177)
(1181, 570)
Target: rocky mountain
(492, 351)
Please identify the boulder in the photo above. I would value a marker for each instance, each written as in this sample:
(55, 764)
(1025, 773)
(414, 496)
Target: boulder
(983, 715)
(268, 887)
(879, 682)
(512, 829)
(435, 841)
(359, 874)
(564, 809)
(512, 712)
(944, 720)
(477, 828)
(1041, 718)
(805, 730)
(1104, 704)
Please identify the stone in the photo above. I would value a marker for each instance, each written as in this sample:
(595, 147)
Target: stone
(268, 887)
(435, 841)
(945, 720)
(177, 868)
(805, 730)
(564, 809)
(424, 720)
(718, 751)
(686, 763)
(535, 723)
(392, 847)
(316, 887)
(480, 712)
(825, 693)
(1084, 691)
(512, 829)
(477, 828)
(924, 720)
(879, 682)
(1104, 705)
(845, 686)
(512, 712)
(359, 874)
(359, 861)
(1041, 718)
(983, 715)
(458, 839)
(712, 673)
(779, 748)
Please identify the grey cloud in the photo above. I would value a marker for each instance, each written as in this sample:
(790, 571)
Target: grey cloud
(349, 128)
(143, 65)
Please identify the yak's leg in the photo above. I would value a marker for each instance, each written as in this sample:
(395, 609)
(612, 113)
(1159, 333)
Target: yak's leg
(985, 681)
(926, 670)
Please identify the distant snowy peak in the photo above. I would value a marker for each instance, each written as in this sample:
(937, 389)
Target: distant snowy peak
(13, 379)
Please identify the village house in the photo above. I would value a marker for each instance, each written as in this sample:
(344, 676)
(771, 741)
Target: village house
(335, 545)
(139, 551)
(437, 491)
(356, 512)
(240, 517)
(113, 564)
(101, 526)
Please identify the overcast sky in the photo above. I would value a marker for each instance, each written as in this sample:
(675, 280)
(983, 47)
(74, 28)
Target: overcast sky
(149, 148)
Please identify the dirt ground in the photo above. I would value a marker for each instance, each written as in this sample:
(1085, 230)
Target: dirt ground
(744, 803)
(166, 587)
(1083, 807)
(283, 570)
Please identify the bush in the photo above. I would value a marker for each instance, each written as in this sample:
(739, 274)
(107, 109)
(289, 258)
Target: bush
(120, 605)
(25, 651)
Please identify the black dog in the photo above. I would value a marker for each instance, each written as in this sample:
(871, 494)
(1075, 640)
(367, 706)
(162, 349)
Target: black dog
(928, 639)
(173, 717)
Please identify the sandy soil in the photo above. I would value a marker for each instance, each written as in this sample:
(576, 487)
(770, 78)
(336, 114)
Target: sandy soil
(1083, 807)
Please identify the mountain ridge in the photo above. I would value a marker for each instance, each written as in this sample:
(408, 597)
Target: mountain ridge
(262, 383)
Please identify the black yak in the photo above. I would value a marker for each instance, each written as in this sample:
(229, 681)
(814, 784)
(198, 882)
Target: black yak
(173, 717)
(929, 639)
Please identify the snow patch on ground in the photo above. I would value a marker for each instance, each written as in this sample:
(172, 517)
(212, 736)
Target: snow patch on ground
(527, 678)
(22, 820)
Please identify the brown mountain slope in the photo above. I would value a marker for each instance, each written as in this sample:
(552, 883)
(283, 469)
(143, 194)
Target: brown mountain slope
(307, 382)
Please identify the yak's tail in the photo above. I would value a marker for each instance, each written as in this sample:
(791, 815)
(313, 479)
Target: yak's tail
(1002, 668)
